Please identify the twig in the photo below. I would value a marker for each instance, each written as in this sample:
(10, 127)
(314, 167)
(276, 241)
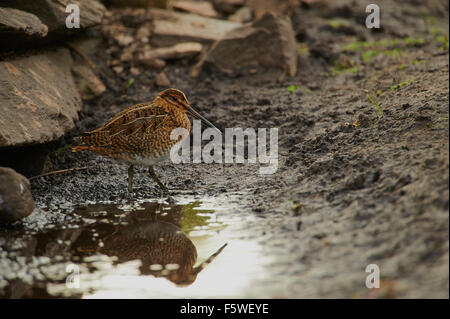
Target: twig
(61, 171)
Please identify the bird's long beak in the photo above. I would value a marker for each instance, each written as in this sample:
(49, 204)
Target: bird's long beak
(192, 112)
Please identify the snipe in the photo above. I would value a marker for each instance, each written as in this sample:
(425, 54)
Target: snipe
(140, 134)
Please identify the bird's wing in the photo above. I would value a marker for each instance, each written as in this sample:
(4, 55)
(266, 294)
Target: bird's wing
(135, 117)
(128, 123)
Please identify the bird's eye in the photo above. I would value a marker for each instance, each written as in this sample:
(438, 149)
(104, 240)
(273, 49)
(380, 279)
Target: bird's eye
(174, 98)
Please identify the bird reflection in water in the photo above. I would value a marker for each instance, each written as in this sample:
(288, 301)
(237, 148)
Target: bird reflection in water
(153, 235)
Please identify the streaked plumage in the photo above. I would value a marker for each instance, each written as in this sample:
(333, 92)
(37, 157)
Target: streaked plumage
(140, 134)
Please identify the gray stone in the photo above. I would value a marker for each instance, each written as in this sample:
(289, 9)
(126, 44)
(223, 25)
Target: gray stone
(16, 22)
(267, 42)
(16, 201)
(178, 51)
(25, 23)
(170, 28)
(84, 71)
(88, 84)
(38, 98)
(162, 80)
(53, 12)
(201, 8)
(244, 14)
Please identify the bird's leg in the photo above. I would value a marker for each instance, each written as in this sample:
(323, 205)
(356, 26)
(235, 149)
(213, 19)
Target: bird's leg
(156, 179)
(130, 179)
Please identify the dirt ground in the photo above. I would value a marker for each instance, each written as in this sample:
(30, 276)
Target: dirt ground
(363, 171)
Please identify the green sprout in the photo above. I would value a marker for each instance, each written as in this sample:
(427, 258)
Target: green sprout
(376, 104)
(334, 24)
(369, 53)
(412, 41)
(435, 31)
(130, 82)
(352, 46)
(415, 61)
(292, 88)
(335, 71)
(443, 39)
(397, 86)
(395, 52)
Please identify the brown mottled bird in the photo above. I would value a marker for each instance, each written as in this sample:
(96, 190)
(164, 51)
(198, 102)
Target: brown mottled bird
(140, 134)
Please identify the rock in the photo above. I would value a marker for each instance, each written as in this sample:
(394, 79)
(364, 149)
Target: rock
(123, 39)
(137, 3)
(16, 201)
(178, 51)
(53, 12)
(127, 54)
(277, 7)
(45, 112)
(227, 6)
(244, 14)
(170, 28)
(20, 23)
(162, 80)
(19, 27)
(88, 84)
(134, 71)
(143, 33)
(267, 42)
(45, 19)
(118, 69)
(84, 70)
(201, 8)
(155, 64)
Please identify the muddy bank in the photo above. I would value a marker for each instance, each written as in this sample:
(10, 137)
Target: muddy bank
(362, 176)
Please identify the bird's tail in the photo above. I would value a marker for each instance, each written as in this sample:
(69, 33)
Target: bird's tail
(80, 140)
(90, 139)
(80, 148)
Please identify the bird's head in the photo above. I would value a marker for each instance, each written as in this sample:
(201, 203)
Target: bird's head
(175, 99)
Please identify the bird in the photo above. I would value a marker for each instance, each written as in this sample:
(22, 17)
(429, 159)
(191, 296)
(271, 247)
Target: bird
(140, 134)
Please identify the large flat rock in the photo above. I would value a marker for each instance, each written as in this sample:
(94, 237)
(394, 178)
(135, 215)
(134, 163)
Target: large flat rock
(38, 98)
(267, 42)
(15, 21)
(178, 51)
(25, 23)
(170, 28)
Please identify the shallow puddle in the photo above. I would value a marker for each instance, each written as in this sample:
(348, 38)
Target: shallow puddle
(143, 249)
